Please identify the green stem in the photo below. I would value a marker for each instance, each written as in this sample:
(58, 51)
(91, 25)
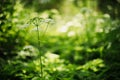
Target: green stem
(45, 30)
(39, 45)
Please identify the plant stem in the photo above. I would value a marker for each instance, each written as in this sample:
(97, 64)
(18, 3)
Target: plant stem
(45, 30)
(39, 46)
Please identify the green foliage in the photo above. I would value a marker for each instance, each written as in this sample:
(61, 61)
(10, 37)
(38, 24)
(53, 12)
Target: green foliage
(41, 5)
(110, 8)
(11, 38)
(83, 44)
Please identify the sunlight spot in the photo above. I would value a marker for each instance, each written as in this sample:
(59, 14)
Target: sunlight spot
(71, 33)
(65, 27)
(100, 21)
(51, 57)
(99, 30)
(106, 15)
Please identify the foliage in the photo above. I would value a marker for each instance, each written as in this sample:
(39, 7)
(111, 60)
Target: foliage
(12, 39)
(83, 45)
(110, 8)
(41, 5)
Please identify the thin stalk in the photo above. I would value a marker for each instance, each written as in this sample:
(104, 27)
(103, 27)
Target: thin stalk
(45, 30)
(39, 46)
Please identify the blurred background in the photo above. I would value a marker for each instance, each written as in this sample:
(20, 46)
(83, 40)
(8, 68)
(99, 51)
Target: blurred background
(82, 43)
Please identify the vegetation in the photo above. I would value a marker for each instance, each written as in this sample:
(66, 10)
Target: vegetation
(59, 40)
